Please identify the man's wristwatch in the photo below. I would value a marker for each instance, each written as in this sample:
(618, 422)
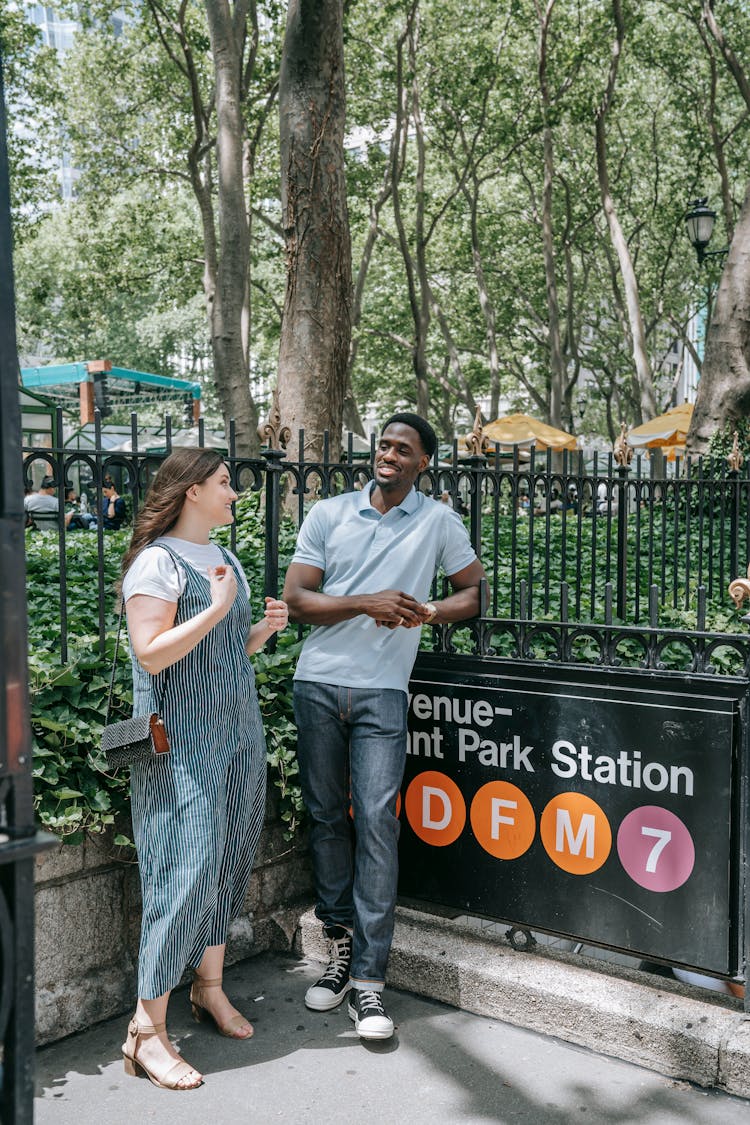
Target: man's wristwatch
(431, 612)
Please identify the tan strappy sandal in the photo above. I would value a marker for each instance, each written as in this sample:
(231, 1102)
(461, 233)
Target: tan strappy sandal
(172, 1077)
(201, 1012)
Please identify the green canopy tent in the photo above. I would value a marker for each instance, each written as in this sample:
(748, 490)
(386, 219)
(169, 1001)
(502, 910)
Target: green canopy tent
(98, 384)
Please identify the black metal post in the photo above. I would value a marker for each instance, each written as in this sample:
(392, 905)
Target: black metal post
(273, 458)
(622, 541)
(734, 521)
(475, 465)
(18, 840)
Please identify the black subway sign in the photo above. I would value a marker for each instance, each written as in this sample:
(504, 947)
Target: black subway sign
(598, 809)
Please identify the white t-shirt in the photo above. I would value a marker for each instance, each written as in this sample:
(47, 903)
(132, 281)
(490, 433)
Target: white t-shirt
(155, 573)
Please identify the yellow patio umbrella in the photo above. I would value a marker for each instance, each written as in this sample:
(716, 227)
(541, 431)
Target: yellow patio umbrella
(523, 430)
(667, 430)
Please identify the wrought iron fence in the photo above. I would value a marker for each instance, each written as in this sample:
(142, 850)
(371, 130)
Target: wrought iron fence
(582, 556)
(589, 566)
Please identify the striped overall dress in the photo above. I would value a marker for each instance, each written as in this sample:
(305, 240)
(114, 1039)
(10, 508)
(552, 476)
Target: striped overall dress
(198, 811)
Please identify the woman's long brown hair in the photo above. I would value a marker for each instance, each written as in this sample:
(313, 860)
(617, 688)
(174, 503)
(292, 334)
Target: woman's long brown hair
(166, 496)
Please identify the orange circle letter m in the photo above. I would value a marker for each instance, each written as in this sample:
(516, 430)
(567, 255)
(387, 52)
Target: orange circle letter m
(575, 833)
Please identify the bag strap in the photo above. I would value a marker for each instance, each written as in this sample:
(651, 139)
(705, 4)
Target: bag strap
(114, 669)
(114, 661)
(117, 649)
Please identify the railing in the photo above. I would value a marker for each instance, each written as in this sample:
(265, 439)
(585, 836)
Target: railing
(566, 539)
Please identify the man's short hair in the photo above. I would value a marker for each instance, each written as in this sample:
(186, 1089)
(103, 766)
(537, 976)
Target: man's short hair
(427, 435)
(48, 482)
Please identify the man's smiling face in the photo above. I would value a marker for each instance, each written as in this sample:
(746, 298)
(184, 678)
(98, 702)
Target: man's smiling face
(399, 457)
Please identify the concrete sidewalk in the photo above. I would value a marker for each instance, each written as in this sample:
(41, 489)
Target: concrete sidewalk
(680, 1031)
(442, 1067)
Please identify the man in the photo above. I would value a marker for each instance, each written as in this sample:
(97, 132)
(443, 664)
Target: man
(43, 504)
(361, 574)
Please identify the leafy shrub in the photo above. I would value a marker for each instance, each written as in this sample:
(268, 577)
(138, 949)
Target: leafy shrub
(74, 793)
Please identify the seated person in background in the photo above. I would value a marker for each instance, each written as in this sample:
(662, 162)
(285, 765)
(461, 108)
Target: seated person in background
(43, 504)
(459, 506)
(77, 515)
(551, 503)
(604, 504)
(601, 498)
(113, 510)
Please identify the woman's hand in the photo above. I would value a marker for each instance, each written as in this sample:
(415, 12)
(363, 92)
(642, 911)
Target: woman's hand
(275, 618)
(223, 584)
(276, 615)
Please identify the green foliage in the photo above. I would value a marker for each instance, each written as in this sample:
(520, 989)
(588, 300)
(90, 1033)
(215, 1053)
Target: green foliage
(722, 442)
(548, 555)
(33, 96)
(273, 678)
(122, 268)
(73, 791)
(123, 279)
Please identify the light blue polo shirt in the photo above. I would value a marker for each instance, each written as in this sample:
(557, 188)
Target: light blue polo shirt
(361, 551)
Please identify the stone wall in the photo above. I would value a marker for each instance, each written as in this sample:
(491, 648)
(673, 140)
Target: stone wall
(88, 918)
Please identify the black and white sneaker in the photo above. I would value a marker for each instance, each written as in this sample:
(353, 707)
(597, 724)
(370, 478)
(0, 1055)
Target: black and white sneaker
(328, 992)
(371, 1020)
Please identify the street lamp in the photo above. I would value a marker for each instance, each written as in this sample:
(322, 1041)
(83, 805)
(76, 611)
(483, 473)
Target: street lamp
(699, 222)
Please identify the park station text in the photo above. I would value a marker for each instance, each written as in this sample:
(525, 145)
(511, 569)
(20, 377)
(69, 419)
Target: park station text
(566, 759)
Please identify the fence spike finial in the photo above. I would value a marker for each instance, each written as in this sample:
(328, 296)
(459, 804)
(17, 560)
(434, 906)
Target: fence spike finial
(739, 589)
(272, 432)
(622, 449)
(735, 458)
(476, 442)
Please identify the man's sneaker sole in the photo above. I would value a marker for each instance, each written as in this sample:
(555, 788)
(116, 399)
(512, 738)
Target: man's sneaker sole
(384, 1031)
(324, 999)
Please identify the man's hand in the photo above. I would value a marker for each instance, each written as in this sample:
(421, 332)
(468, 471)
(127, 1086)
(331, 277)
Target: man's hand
(307, 604)
(393, 608)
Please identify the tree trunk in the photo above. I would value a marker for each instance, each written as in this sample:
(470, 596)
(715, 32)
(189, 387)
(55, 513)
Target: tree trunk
(316, 328)
(414, 264)
(352, 418)
(724, 387)
(228, 301)
(629, 280)
(226, 235)
(485, 300)
(556, 364)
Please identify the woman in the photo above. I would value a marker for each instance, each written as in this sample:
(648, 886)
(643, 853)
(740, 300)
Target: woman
(197, 811)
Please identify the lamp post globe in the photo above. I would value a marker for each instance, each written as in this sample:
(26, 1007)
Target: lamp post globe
(699, 221)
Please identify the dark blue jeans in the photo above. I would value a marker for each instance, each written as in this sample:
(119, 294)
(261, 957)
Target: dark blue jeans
(352, 741)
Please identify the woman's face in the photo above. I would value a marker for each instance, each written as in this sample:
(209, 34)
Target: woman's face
(215, 497)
